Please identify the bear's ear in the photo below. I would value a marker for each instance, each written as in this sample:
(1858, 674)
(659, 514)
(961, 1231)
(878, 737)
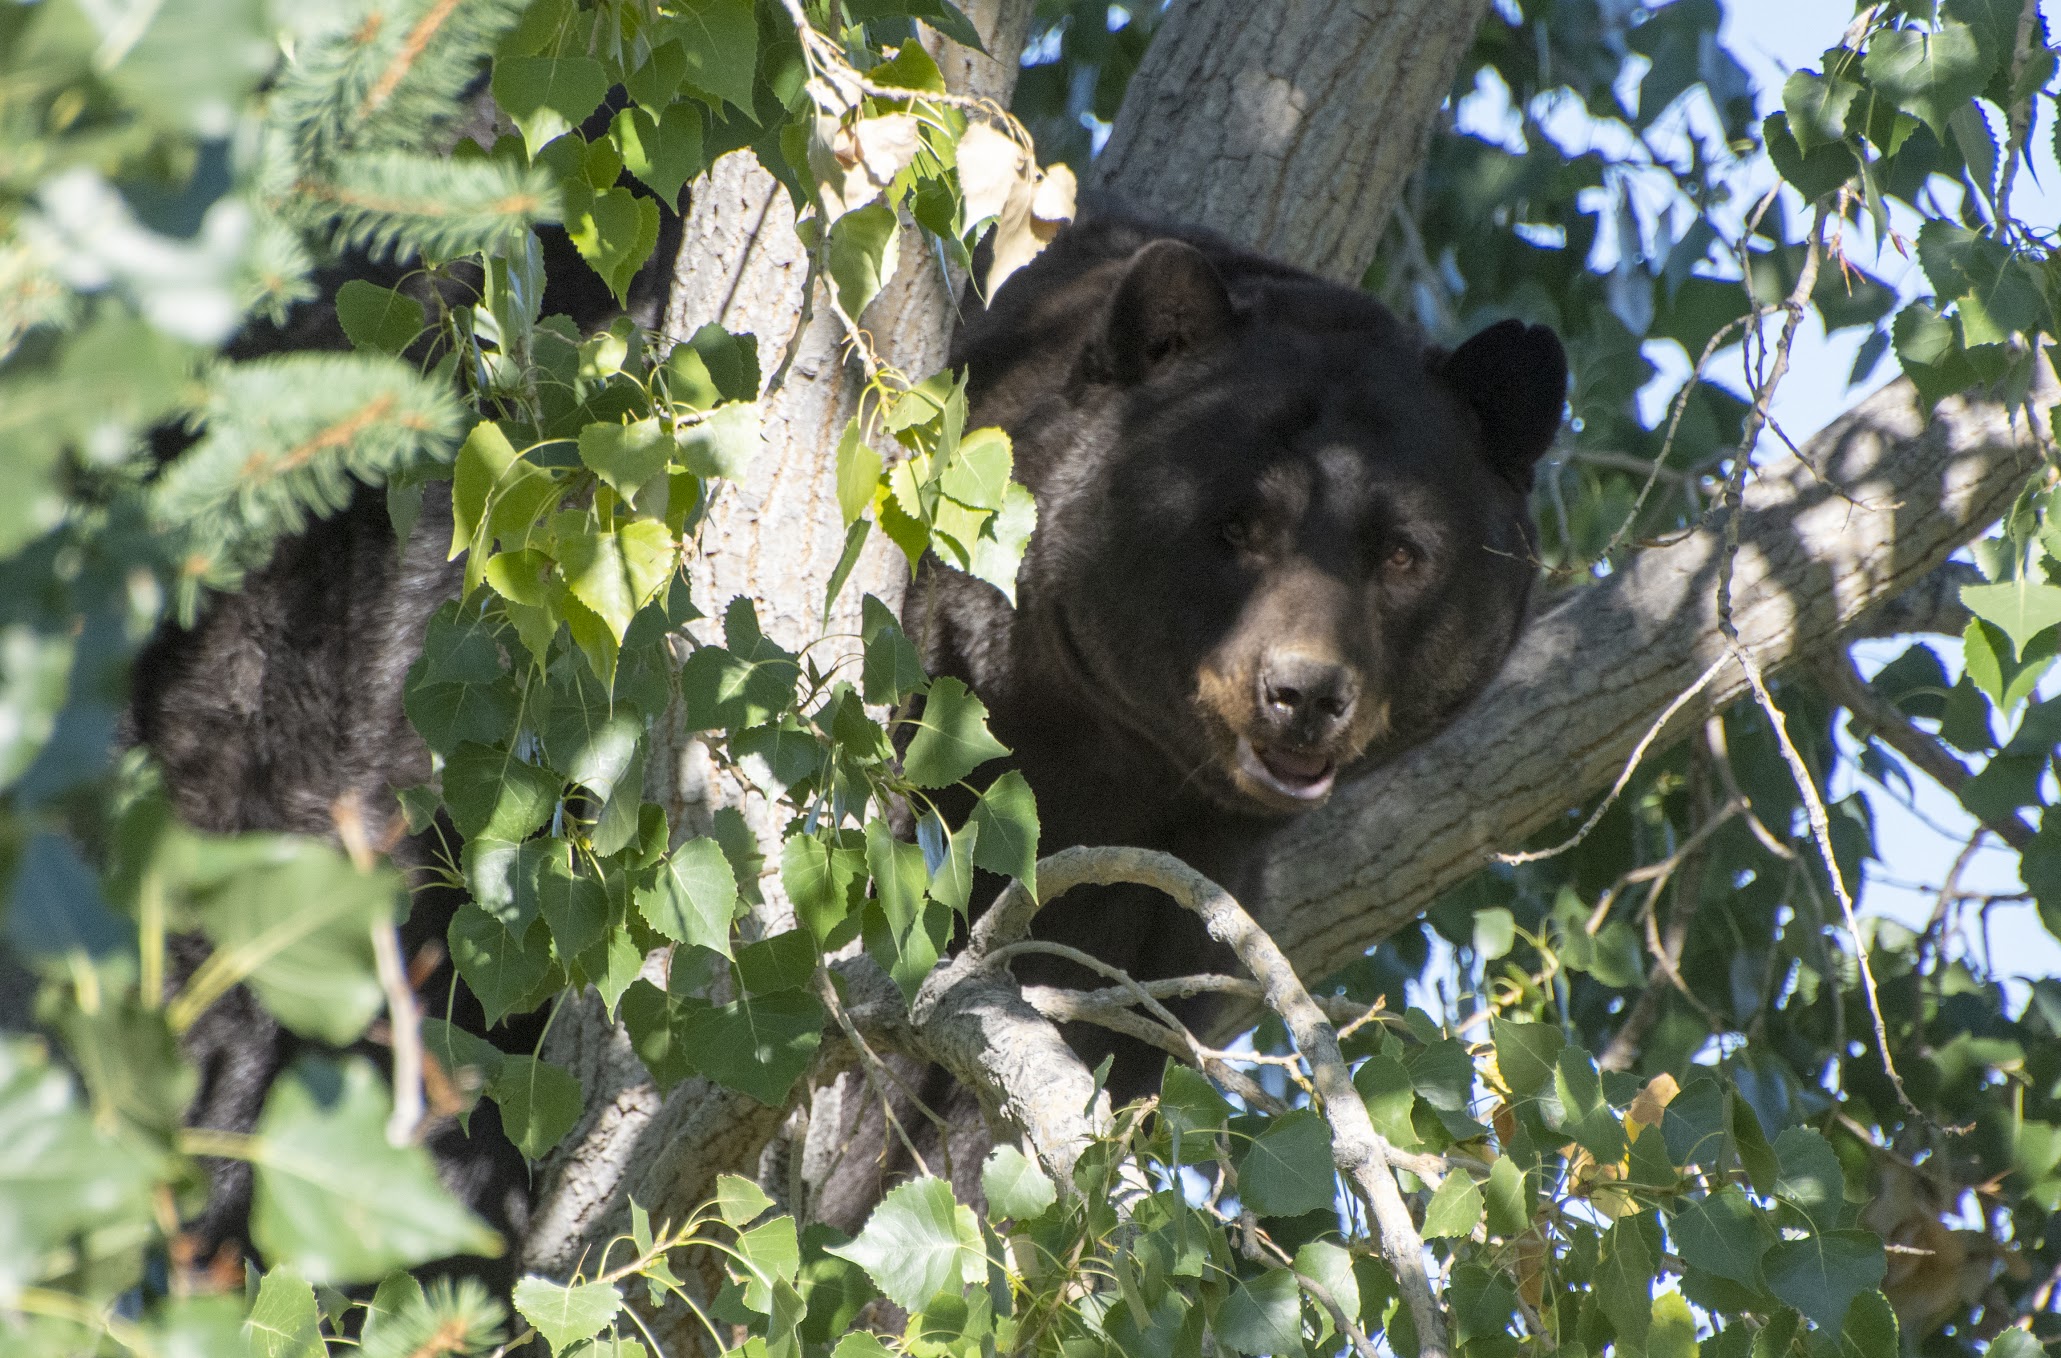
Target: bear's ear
(1171, 302)
(1514, 377)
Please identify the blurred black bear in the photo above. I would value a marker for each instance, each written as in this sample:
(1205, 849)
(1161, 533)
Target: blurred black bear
(1280, 540)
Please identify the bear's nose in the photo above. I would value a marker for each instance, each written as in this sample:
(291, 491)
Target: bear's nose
(1304, 700)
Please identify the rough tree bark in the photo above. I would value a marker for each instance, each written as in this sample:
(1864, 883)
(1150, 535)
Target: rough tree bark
(1291, 127)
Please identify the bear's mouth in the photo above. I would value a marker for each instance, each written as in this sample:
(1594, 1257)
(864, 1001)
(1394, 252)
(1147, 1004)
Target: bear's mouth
(1304, 779)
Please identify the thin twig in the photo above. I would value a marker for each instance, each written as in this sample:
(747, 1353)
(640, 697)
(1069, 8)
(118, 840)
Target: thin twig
(1631, 766)
(403, 1016)
(1821, 832)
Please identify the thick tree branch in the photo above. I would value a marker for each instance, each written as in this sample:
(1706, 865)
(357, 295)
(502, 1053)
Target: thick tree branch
(1897, 495)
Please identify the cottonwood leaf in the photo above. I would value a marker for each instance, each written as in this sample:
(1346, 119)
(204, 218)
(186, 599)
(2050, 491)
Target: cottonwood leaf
(318, 1145)
(1262, 1315)
(918, 1242)
(625, 455)
(615, 574)
(952, 737)
(1287, 1169)
(864, 245)
(724, 442)
(1454, 1210)
(1821, 1274)
(548, 96)
(284, 1321)
(2023, 608)
(1005, 824)
(1014, 1185)
(376, 318)
(539, 1102)
(694, 896)
(566, 1315)
(493, 795)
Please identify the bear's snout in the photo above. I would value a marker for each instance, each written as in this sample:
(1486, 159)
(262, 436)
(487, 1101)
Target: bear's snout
(1304, 701)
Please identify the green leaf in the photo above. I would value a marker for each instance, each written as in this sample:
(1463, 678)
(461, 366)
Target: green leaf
(694, 897)
(826, 881)
(891, 669)
(1823, 169)
(1822, 1274)
(1014, 1185)
(721, 38)
(615, 231)
(539, 1102)
(615, 574)
(758, 1045)
(1526, 1053)
(739, 1200)
(1495, 933)
(1674, 1328)
(1624, 1280)
(664, 152)
(905, 931)
(1588, 1118)
(1262, 1315)
(918, 1242)
(1506, 1196)
(503, 877)
(1454, 1210)
(858, 473)
(1722, 1234)
(1929, 75)
(952, 737)
(998, 551)
(772, 1254)
(1005, 821)
(64, 1176)
(293, 919)
(1287, 1169)
(782, 962)
(574, 905)
(2023, 608)
(566, 1315)
(493, 795)
(1191, 1107)
(724, 443)
(864, 244)
(1817, 106)
(319, 1145)
(978, 473)
(1810, 1179)
(285, 1319)
(942, 15)
(625, 455)
(495, 962)
(548, 96)
(376, 318)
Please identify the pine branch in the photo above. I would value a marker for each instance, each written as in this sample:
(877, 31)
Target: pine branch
(400, 203)
(288, 437)
(389, 75)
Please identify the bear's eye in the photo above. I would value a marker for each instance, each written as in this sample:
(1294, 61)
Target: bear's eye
(1401, 557)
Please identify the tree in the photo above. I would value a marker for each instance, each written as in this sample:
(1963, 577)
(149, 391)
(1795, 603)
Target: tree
(1670, 1153)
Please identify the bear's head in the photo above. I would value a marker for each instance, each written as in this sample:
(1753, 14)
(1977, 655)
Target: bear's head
(1284, 539)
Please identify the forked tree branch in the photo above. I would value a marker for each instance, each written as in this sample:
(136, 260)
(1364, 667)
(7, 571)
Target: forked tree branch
(1360, 1153)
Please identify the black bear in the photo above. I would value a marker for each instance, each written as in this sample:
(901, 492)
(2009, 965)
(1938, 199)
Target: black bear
(1279, 541)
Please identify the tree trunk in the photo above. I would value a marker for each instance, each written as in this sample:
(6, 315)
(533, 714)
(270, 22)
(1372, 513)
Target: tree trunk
(1288, 127)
